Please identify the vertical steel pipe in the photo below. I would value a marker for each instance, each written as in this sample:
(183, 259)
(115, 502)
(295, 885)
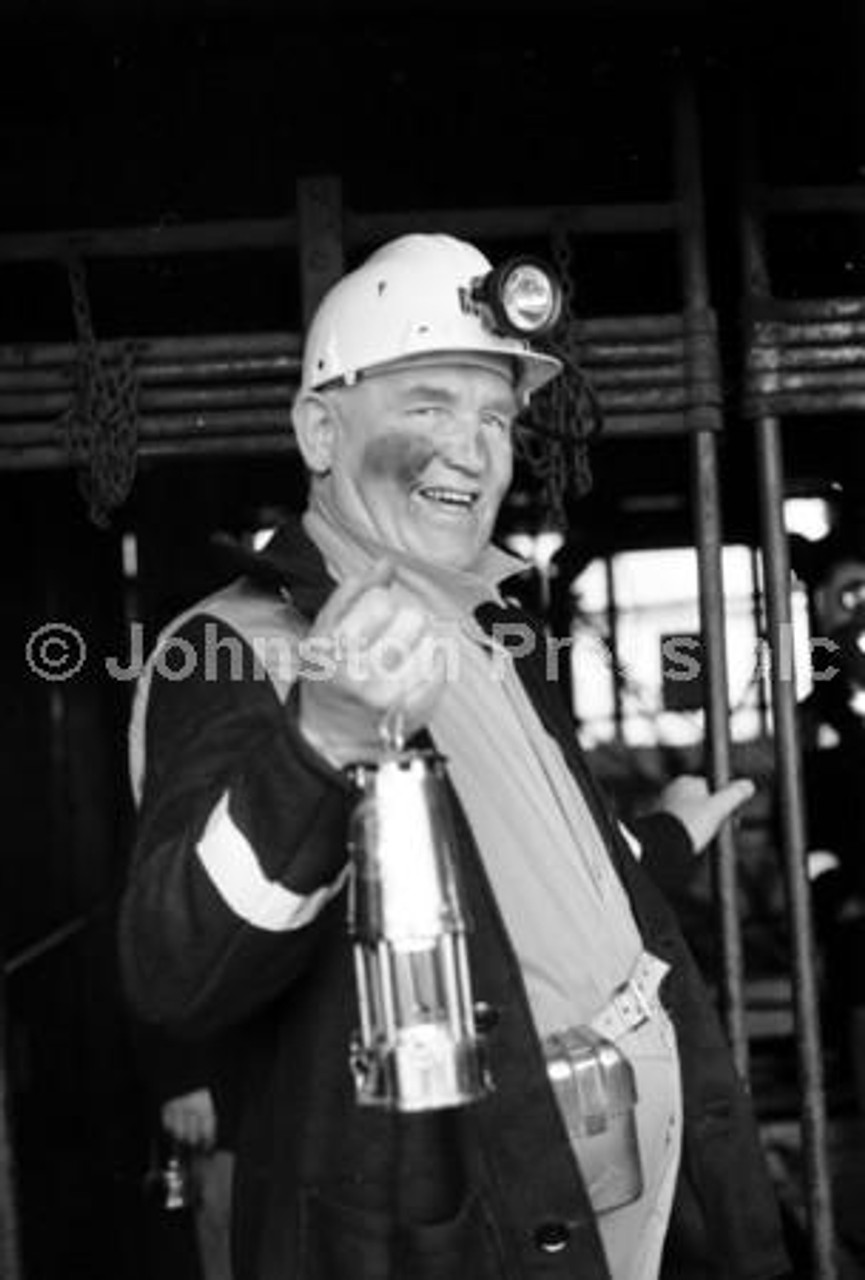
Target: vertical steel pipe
(612, 619)
(707, 508)
(810, 1058)
(776, 567)
(706, 503)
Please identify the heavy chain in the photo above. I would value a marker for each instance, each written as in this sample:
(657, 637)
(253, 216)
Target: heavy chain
(564, 415)
(101, 426)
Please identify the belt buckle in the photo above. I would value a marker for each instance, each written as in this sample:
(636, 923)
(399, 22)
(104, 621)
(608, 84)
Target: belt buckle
(632, 1004)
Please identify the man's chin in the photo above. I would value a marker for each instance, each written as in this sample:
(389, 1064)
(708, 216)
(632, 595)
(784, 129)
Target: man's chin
(450, 553)
(445, 543)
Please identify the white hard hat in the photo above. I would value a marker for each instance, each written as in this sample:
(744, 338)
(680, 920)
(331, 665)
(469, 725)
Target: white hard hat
(413, 298)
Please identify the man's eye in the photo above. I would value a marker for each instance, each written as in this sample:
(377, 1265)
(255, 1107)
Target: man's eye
(498, 421)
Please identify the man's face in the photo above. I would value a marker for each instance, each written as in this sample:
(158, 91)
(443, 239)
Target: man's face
(422, 458)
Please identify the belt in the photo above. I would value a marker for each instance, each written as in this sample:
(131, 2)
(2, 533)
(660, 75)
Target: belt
(634, 1002)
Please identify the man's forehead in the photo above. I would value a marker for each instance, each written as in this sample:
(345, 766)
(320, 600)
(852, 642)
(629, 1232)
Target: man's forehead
(440, 371)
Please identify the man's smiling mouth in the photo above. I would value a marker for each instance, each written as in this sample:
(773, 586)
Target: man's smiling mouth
(451, 499)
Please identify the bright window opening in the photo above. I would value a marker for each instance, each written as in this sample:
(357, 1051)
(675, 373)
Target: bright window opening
(637, 655)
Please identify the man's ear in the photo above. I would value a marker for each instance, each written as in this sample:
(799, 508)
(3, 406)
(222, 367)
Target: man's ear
(315, 427)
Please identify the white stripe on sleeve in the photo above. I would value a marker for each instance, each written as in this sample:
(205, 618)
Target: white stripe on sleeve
(631, 841)
(230, 862)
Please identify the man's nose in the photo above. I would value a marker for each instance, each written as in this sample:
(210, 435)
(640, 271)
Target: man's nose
(463, 445)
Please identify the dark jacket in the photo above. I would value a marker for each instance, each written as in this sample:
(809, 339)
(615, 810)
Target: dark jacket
(171, 1068)
(327, 1190)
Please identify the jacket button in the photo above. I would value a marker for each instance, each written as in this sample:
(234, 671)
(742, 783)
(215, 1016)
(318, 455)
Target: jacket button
(486, 1017)
(552, 1237)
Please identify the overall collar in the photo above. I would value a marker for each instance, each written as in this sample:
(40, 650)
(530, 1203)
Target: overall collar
(289, 562)
(292, 562)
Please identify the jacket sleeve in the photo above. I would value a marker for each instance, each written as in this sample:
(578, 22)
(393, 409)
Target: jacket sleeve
(667, 851)
(169, 1068)
(241, 845)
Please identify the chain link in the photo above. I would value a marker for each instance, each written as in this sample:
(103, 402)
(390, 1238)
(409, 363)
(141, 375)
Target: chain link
(101, 425)
(564, 415)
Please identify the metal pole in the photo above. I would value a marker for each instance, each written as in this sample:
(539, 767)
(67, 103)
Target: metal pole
(273, 234)
(776, 571)
(710, 540)
(616, 675)
(709, 543)
(810, 1057)
(758, 613)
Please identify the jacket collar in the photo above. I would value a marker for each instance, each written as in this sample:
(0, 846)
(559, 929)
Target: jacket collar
(289, 562)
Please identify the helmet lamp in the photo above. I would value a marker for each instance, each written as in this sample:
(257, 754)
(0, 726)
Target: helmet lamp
(523, 296)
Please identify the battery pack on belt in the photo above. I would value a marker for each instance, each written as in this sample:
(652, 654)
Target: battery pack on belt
(596, 1088)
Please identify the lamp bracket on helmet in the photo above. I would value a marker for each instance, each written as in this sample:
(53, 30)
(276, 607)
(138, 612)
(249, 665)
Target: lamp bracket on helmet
(521, 297)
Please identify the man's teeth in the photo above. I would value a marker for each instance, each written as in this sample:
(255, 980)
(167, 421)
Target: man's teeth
(451, 497)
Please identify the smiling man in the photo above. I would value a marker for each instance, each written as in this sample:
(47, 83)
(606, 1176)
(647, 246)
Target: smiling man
(234, 919)
(419, 456)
